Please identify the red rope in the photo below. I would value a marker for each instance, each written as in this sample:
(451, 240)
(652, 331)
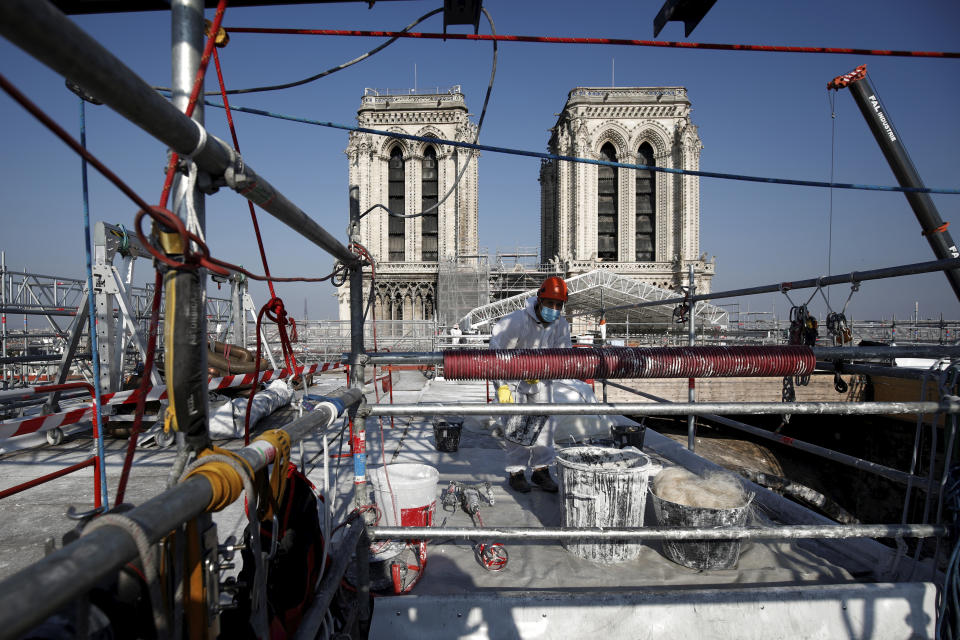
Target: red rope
(142, 388)
(601, 41)
(274, 308)
(236, 145)
(256, 375)
(158, 279)
(275, 312)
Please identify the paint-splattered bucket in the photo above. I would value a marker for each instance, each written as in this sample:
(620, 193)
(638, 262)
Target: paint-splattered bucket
(407, 492)
(701, 554)
(603, 487)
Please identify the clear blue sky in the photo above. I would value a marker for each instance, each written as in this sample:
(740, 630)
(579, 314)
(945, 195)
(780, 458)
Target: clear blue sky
(762, 114)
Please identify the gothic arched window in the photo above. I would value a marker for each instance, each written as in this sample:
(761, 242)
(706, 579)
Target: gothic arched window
(397, 203)
(429, 191)
(607, 205)
(646, 206)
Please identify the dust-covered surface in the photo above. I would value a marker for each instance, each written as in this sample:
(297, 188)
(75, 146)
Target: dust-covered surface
(452, 568)
(715, 490)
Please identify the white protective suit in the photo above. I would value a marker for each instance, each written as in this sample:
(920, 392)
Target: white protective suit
(522, 330)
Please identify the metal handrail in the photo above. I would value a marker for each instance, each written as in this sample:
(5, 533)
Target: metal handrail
(94, 460)
(783, 532)
(950, 404)
(843, 458)
(33, 593)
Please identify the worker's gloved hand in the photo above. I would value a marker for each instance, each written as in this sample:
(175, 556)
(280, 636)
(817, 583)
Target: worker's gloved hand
(503, 395)
(532, 381)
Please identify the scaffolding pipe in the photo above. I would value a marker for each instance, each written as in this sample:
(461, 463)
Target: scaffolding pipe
(887, 353)
(40, 358)
(3, 317)
(851, 461)
(49, 36)
(35, 592)
(947, 264)
(786, 532)
(35, 310)
(949, 404)
(907, 373)
(821, 353)
(358, 443)
(692, 381)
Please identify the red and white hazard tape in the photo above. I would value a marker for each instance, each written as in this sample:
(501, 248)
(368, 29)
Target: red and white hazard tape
(52, 421)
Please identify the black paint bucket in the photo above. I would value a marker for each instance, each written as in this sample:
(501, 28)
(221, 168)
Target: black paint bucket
(628, 435)
(701, 555)
(447, 435)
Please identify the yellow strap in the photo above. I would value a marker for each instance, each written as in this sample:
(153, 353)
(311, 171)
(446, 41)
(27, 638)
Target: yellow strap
(226, 482)
(169, 420)
(280, 440)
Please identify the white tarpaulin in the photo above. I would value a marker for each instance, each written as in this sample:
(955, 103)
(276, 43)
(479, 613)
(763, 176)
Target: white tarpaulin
(227, 421)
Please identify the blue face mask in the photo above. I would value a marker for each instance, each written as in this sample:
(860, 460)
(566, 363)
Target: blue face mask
(548, 314)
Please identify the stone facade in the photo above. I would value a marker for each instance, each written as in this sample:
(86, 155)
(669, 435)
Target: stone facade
(409, 177)
(641, 224)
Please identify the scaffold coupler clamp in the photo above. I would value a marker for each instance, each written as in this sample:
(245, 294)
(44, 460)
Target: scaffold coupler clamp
(234, 176)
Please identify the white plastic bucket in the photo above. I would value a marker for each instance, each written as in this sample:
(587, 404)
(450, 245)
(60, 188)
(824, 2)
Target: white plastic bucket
(414, 494)
(603, 487)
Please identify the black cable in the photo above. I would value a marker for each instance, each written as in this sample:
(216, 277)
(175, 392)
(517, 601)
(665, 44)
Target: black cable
(483, 114)
(340, 67)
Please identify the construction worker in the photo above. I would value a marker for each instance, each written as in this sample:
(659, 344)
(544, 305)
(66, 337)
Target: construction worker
(539, 325)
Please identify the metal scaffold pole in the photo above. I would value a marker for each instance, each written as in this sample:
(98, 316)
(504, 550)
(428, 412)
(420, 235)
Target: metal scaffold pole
(3, 315)
(357, 357)
(691, 382)
(185, 290)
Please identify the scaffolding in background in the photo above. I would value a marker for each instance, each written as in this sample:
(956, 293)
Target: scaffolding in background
(463, 284)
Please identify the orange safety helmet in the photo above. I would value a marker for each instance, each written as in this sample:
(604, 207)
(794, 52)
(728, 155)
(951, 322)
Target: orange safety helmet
(553, 288)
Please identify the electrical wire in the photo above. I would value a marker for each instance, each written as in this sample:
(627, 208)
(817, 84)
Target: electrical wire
(476, 138)
(323, 74)
(831, 97)
(598, 41)
(602, 163)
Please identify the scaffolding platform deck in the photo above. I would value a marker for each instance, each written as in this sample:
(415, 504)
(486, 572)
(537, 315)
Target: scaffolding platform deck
(778, 589)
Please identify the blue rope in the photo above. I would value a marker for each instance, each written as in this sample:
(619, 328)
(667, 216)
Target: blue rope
(606, 163)
(95, 351)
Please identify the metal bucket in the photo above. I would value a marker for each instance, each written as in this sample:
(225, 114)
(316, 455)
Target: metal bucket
(603, 487)
(701, 555)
